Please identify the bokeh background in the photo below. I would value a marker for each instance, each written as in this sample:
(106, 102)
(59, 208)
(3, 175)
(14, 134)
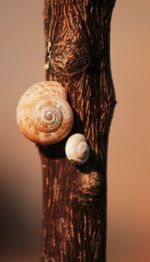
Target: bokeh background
(21, 65)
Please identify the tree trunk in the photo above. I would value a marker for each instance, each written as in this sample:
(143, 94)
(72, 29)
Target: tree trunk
(75, 197)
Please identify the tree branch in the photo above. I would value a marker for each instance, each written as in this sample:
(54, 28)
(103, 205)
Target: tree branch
(74, 197)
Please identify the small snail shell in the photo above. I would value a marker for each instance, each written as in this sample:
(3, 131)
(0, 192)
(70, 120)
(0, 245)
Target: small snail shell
(77, 149)
(43, 114)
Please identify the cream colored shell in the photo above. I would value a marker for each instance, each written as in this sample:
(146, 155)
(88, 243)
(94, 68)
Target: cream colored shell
(43, 114)
(77, 149)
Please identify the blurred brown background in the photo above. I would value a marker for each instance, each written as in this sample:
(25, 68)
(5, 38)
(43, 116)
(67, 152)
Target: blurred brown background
(21, 65)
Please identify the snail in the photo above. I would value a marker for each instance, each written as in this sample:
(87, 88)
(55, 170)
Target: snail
(44, 115)
(77, 149)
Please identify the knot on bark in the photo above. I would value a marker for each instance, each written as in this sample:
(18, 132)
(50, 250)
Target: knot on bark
(71, 57)
(88, 188)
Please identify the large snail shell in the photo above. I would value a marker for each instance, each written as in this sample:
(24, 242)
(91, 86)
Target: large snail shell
(43, 114)
(77, 150)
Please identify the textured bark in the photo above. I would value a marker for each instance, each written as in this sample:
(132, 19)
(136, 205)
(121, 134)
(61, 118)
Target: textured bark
(75, 197)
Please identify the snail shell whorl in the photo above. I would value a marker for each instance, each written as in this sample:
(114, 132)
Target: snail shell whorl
(77, 149)
(43, 114)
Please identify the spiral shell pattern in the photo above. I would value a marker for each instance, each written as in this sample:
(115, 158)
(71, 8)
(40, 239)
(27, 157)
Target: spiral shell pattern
(77, 149)
(43, 114)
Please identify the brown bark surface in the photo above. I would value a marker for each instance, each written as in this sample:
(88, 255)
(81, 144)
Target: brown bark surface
(75, 197)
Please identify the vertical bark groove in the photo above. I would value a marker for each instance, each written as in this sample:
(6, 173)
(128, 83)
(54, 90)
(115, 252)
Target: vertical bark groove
(75, 198)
